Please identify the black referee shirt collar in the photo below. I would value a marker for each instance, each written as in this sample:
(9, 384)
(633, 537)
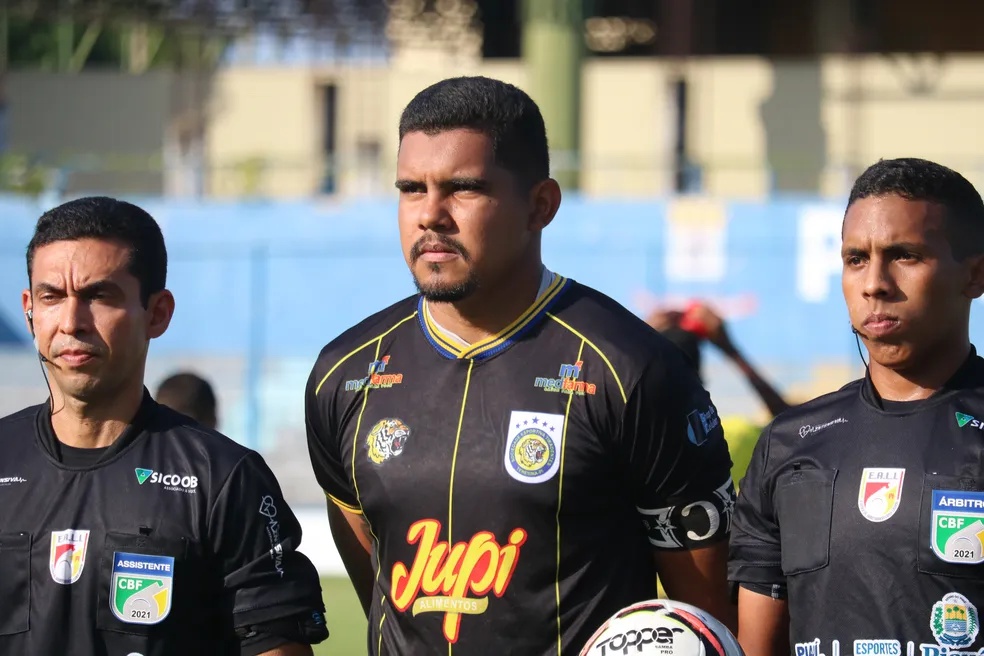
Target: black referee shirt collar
(969, 375)
(51, 445)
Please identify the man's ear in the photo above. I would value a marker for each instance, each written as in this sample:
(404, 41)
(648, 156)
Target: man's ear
(545, 201)
(160, 309)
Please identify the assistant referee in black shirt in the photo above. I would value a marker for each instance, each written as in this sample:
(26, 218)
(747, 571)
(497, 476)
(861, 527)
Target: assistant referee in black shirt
(511, 457)
(126, 528)
(860, 523)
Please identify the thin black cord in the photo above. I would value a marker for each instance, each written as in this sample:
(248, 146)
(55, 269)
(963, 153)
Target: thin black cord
(857, 340)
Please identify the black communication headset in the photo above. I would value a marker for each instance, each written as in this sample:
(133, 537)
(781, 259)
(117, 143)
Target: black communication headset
(30, 322)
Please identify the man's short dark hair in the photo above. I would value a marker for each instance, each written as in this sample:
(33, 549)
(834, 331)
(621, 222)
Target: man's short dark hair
(919, 179)
(190, 395)
(501, 111)
(108, 219)
(687, 342)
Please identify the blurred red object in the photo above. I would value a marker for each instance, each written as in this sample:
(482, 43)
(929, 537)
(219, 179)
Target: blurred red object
(690, 321)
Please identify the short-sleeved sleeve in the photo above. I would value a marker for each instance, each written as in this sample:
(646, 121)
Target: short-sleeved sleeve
(678, 463)
(323, 446)
(755, 553)
(254, 537)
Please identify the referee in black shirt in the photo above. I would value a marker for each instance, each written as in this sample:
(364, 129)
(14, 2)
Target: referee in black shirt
(510, 456)
(860, 523)
(125, 527)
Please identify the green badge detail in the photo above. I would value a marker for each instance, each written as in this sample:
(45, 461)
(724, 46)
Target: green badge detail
(962, 419)
(144, 474)
(141, 587)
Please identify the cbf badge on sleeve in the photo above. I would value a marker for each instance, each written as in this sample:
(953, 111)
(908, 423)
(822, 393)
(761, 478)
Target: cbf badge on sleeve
(142, 587)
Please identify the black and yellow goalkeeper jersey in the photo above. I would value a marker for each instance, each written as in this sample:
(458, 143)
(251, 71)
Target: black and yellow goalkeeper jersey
(511, 485)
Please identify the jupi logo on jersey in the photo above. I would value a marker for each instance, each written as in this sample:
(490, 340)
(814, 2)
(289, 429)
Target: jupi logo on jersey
(954, 621)
(173, 482)
(445, 574)
(377, 378)
(142, 587)
(533, 446)
(968, 420)
(881, 492)
(958, 526)
(386, 440)
(67, 556)
(566, 381)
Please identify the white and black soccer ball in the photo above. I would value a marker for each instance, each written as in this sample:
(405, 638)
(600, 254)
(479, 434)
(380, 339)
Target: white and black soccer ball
(662, 627)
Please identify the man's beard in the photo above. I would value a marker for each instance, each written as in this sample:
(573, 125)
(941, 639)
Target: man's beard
(443, 292)
(446, 292)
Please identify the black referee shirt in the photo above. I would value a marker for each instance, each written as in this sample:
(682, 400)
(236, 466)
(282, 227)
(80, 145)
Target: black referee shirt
(511, 485)
(172, 541)
(871, 514)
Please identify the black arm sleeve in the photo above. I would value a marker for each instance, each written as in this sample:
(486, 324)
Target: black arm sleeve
(254, 537)
(678, 462)
(755, 549)
(323, 446)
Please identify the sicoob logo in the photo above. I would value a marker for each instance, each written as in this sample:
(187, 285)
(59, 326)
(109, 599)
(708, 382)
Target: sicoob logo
(173, 482)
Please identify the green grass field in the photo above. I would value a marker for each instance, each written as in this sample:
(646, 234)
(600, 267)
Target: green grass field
(347, 622)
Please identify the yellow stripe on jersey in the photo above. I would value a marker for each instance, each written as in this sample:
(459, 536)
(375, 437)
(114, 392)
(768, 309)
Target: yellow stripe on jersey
(560, 498)
(341, 504)
(454, 460)
(492, 343)
(372, 341)
(618, 381)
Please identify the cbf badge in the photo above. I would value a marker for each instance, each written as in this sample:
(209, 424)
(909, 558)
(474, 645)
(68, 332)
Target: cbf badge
(533, 446)
(881, 492)
(142, 587)
(958, 526)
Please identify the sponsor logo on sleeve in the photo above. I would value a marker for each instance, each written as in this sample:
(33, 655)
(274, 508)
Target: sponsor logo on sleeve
(142, 587)
(454, 579)
(268, 508)
(533, 442)
(66, 558)
(701, 423)
(958, 526)
(880, 493)
(6, 481)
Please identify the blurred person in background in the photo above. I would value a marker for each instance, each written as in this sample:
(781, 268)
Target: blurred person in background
(509, 456)
(698, 323)
(860, 522)
(125, 527)
(191, 395)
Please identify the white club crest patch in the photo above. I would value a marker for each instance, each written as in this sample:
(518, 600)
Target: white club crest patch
(533, 442)
(880, 493)
(66, 558)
